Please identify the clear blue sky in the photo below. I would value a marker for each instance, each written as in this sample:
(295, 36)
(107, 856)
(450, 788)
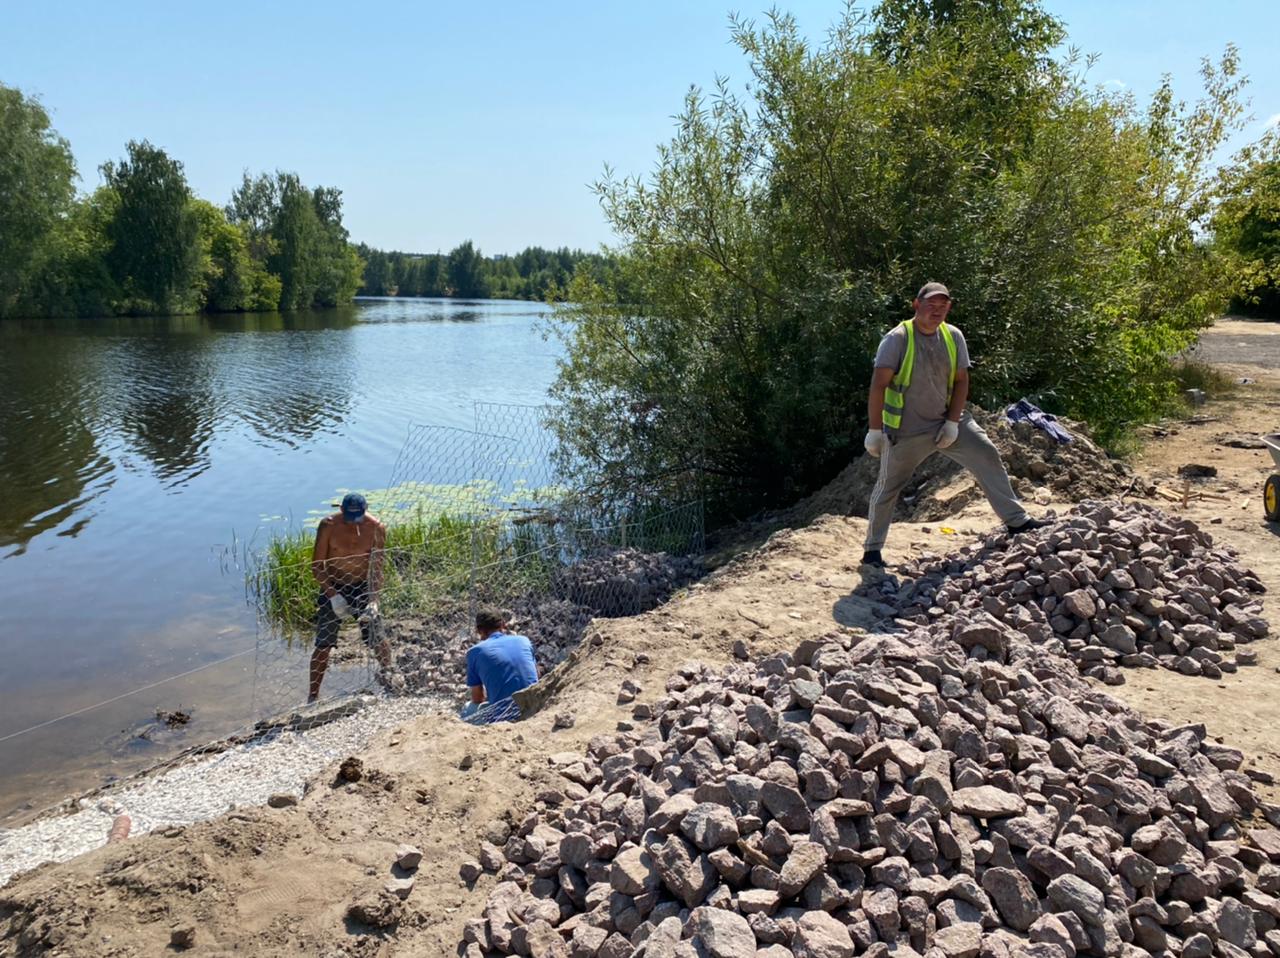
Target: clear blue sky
(445, 122)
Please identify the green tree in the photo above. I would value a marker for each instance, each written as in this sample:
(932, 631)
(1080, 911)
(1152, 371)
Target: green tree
(298, 238)
(254, 207)
(376, 280)
(70, 275)
(339, 266)
(464, 272)
(782, 232)
(231, 279)
(299, 235)
(154, 254)
(1246, 227)
(37, 185)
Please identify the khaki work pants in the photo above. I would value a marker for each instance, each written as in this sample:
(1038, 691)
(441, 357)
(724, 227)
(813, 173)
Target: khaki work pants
(972, 450)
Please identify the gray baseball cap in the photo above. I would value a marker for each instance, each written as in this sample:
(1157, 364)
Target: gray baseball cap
(933, 289)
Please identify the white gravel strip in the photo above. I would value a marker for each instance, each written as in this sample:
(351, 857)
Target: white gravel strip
(203, 788)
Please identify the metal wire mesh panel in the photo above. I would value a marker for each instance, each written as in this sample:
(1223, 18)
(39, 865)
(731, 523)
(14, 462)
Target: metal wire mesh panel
(443, 471)
(532, 478)
(473, 519)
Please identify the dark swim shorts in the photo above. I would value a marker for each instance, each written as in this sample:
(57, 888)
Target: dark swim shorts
(327, 621)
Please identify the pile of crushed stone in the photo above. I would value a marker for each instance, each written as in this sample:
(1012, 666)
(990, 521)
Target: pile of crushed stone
(1109, 585)
(888, 796)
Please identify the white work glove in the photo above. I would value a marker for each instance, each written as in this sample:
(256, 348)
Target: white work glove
(339, 605)
(876, 442)
(948, 434)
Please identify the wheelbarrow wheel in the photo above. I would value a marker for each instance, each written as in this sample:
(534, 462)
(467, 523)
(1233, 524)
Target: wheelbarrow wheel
(1271, 498)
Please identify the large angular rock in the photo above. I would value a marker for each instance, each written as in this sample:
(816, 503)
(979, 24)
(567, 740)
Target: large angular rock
(709, 826)
(787, 805)
(806, 860)
(1080, 604)
(1235, 924)
(722, 934)
(987, 801)
(1073, 894)
(689, 876)
(1162, 843)
(819, 935)
(881, 907)
(959, 941)
(1066, 719)
(1013, 895)
(633, 872)
(1266, 840)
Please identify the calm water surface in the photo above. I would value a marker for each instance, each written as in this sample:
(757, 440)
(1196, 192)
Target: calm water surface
(137, 456)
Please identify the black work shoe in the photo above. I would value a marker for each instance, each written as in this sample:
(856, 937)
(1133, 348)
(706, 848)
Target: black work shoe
(1028, 526)
(872, 558)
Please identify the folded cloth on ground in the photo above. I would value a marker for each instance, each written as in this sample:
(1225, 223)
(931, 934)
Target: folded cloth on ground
(1024, 410)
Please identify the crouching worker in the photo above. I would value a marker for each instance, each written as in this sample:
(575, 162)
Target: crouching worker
(347, 562)
(498, 666)
(916, 408)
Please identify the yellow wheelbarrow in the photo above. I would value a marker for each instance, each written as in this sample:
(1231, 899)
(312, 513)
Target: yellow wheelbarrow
(1271, 488)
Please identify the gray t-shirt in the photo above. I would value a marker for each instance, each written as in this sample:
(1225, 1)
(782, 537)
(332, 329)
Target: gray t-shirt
(926, 402)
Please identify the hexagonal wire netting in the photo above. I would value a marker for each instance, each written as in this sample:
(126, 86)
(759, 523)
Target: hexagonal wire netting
(475, 519)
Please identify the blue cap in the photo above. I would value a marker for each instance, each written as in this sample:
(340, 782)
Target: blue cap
(353, 507)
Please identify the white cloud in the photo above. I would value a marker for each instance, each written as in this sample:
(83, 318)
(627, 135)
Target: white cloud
(1118, 84)
(1273, 120)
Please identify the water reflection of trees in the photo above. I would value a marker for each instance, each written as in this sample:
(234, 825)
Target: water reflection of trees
(166, 388)
(289, 388)
(168, 403)
(50, 462)
(286, 376)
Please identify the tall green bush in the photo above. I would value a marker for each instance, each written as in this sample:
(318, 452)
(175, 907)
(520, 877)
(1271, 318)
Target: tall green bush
(784, 230)
(1247, 227)
(37, 186)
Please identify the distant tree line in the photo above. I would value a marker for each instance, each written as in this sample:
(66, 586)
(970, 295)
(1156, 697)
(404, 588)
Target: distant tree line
(534, 273)
(143, 243)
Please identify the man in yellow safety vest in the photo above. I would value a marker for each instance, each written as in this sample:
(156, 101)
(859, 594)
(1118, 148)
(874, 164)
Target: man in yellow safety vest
(916, 408)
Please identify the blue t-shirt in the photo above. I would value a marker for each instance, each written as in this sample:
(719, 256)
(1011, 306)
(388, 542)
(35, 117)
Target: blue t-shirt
(503, 664)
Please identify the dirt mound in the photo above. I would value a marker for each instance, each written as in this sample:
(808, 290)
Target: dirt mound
(1039, 467)
(922, 794)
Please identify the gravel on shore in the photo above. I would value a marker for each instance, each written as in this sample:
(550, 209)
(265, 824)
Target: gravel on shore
(279, 763)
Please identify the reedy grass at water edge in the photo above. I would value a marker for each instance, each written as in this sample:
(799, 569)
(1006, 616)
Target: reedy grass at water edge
(434, 560)
(428, 563)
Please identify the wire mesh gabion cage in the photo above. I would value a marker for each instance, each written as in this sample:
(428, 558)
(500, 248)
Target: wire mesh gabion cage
(475, 518)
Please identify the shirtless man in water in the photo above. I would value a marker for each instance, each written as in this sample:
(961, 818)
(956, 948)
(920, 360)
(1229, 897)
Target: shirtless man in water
(347, 562)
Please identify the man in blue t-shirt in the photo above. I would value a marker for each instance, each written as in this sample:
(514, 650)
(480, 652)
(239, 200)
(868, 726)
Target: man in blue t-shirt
(498, 666)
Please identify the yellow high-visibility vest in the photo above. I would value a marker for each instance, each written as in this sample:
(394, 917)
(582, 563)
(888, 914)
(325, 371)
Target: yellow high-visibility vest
(894, 394)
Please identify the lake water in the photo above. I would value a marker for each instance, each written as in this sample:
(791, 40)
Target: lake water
(139, 457)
